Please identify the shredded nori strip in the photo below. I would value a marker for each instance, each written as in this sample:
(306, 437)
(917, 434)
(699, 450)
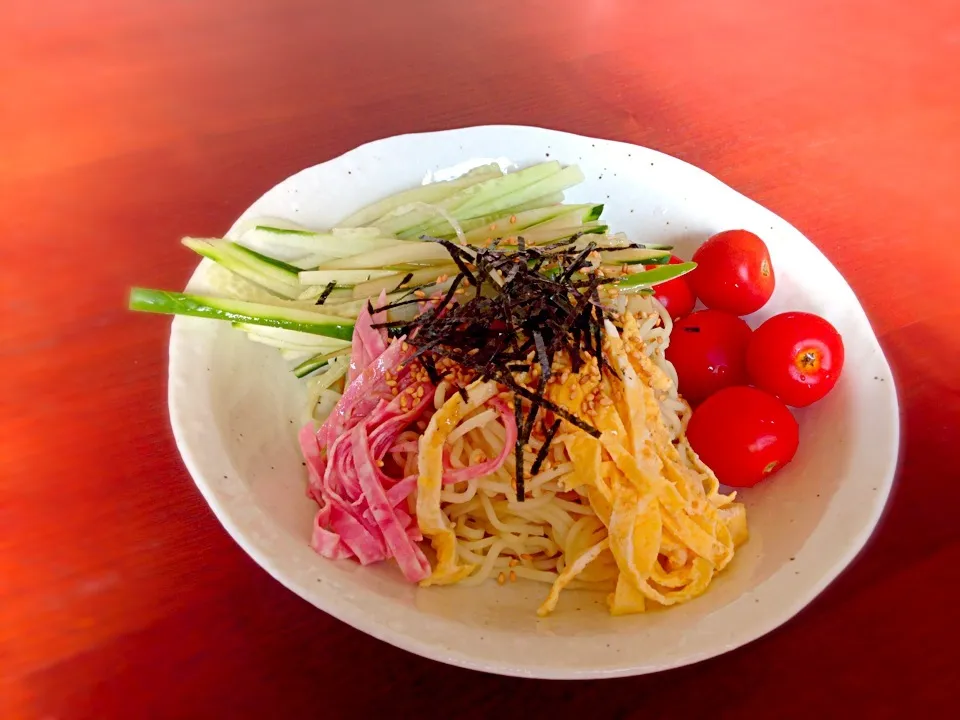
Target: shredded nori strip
(518, 450)
(326, 293)
(406, 278)
(545, 448)
(542, 355)
(455, 253)
(556, 409)
(578, 262)
(431, 368)
(508, 327)
(396, 304)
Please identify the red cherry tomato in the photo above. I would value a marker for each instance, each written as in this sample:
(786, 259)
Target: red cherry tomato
(675, 295)
(733, 272)
(744, 435)
(796, 356)
(708, 350)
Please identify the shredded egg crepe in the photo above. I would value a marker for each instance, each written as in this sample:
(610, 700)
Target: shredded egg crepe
(638, 512)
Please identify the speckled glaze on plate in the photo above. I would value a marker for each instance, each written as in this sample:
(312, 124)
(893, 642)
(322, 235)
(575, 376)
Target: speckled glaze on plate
(235, 411)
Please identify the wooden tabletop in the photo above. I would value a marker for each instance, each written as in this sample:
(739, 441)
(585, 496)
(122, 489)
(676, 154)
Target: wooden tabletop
(125, 124)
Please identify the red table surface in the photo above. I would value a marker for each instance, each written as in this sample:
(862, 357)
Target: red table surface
(124, 125)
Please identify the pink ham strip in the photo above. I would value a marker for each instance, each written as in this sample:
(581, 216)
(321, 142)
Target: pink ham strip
(326, 542)
(399, 492)
(362, 538)
(362, 395)
(316, 466)
(369, 343)
(352, 521)
(454, 475)
(413, 563)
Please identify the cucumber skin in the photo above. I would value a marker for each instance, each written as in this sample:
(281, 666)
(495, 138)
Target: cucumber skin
(649, 278)
(169, 303)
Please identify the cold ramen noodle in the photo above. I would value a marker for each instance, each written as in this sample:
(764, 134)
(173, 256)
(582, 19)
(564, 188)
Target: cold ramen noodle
(489, 396)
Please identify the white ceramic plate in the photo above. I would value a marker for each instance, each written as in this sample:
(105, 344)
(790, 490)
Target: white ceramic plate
(235, 412)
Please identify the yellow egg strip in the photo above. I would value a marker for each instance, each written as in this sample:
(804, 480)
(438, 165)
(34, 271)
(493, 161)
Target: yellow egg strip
(569, 573)
(627, 599)
(636, 566)
(676, 518)
(633, 393)
(431, 520)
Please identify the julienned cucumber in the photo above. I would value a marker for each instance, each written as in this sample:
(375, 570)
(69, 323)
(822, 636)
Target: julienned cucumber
(343, 278)
(406, 220)
(494, 226)
(312, 364)
(644, 280)
(332, 244)
(632, 256)
(540, 202)
(543, 236)
(410, 279)
(170, 303)
(521, 192)
(431, 193)
(293, 339)
(558, 179)
(263, 271)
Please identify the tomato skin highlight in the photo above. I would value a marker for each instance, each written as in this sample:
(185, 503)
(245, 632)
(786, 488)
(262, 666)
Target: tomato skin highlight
(744, 435)
(796, 356)
(675, 295)
(733, 273)
(708, 349)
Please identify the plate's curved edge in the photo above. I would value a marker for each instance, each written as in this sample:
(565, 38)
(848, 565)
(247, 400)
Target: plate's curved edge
(409, 642)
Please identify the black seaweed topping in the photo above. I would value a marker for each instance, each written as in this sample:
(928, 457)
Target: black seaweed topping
(542, 454)
(406, 278)
(527, 305)
(326, 293)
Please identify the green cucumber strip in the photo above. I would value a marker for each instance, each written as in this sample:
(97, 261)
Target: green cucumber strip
(404, 251)
(353, 308)
(355, 233)
(255, 258)
(170, 303)
(513, 194)
(313, 292)
(632, 256)
(557, 182)
(280, 344)
(540, 202)
(328, 244)
(418, 277)
(620, 238)
(563, 221)
(430, 193)
(500, 226)
(293, 338)
(309, 262)
(343, 278)
(264, 274)
(542, 236)
(316, 362)
(406, 221)
(649, 278)
(282, 231)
